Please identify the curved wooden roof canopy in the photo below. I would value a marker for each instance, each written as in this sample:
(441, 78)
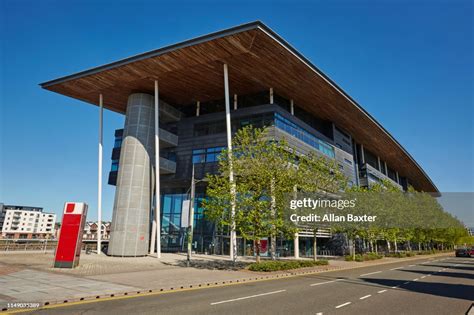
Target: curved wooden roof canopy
(257, 59)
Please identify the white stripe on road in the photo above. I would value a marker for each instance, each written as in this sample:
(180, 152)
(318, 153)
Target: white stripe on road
(342, 305)
(370, 273)
(411, 265)
(416, 279)
(406, 282)
(396, 268)
(364, 297)
(319, 283)
(382, 291)
(395, 287)
(319, 313)
(428, 275)
(423, 277)
(248, 297)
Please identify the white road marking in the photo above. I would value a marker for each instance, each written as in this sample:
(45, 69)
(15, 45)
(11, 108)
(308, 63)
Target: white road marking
(370, 273)
(395, 287)
(428, 275)
(382, 291)
(364, 297)
(319, 283)
(422, 277)
(411, 265)
(319, 313)
(396, 268)
(416, 279)
(248, 297)
(342, 305)
(406, 282)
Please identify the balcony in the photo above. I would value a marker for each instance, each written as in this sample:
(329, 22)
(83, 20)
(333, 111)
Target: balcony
(168, 113)
(167, 139)
(167, 166)
(369, 175)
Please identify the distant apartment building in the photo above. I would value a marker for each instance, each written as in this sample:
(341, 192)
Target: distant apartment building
(90, 231)
(470, 230)
(26, 222)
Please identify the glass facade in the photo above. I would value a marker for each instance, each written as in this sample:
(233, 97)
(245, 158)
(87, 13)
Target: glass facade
(206, 155)
(173, 235)
(300, 133)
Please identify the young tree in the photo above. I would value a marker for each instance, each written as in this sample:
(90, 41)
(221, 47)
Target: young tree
(264, 171)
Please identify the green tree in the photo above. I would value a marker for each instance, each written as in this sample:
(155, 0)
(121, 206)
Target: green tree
(264, 171)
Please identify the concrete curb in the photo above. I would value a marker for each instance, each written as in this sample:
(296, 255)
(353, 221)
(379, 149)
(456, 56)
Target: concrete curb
(258, 277)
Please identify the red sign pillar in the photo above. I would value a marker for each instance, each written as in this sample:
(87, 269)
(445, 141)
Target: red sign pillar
(68, 250)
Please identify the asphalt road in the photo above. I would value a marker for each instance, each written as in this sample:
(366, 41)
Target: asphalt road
(426, 286)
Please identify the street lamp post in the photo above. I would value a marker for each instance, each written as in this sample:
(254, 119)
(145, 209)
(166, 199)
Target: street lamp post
(191, 218)
(191, 215)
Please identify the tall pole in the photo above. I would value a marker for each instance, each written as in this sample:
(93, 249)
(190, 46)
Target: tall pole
(191, 218)
(233, 238)
(157, 174)
(99, 177)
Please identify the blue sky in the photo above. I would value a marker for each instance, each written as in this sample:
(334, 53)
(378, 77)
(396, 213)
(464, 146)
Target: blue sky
(409, 64)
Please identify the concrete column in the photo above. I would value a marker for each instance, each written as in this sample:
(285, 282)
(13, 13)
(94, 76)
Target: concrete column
(296, 245)
(99, 180)
(235, 101)
(131, 215)
(271, 95)
(292, 107)
(156, 142)
(233, 233)
(198, 108)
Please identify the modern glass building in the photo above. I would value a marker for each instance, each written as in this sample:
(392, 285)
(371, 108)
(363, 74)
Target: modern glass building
(248, 74)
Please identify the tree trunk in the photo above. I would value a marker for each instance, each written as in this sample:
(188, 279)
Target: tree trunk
(395, 245)
(353, 250)
(371, 243)
(257, 251)
(388, 245)
(376, 248)
(315, 247)
(273, 211)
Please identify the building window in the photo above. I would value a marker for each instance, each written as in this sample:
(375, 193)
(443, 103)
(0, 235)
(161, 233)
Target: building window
(209, 128)
(207, 155)
(303, 135)
(115, 164)
(118, 142)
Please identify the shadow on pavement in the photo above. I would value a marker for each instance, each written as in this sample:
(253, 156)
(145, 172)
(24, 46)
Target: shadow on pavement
(457, 291)
(443, 273)
(450, 267)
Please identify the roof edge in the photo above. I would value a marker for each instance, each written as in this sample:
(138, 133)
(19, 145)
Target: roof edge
(157, 52)
(289, 47)
(226, 32)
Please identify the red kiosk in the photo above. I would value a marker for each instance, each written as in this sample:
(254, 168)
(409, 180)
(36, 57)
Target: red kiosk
(68, 250)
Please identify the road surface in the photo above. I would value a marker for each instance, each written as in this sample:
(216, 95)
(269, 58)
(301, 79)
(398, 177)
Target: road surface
(442, 285)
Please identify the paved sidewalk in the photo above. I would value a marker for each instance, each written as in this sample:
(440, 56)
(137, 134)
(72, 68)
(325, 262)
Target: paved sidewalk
(28, 277)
